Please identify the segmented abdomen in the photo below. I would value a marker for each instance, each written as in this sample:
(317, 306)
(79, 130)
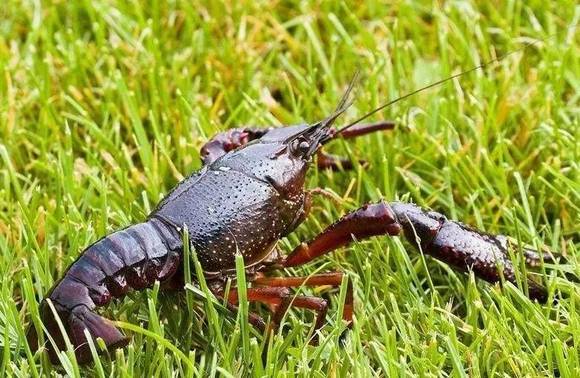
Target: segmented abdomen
(131, 258)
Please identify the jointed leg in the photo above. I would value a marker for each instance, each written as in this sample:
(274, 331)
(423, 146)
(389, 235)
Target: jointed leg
(452, 242)
(319, 305)
(369, 220)
(333, 279)
(449, 241)
(232, 304)
(333, 162)
(327, 161)
(367, 128)
(226, 141)
(254, 319)
(279, 299)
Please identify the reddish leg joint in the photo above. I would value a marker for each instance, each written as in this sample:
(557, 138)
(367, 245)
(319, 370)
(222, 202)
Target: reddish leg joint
(333, 279)
(228, 140)
(280, 299)
(327, 161)
(302, 301)
(369, 220)
(367, 128)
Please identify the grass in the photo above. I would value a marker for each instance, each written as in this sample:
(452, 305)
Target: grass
(104, 106)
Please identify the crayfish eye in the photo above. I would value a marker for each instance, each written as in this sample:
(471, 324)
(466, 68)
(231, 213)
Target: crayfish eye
(301, 146)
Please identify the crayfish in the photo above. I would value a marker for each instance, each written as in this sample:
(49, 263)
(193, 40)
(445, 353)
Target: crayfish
(249, 194)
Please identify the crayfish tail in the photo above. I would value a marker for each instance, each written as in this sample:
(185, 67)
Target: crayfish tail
(74, 322)
(132, 258)
(82, 318)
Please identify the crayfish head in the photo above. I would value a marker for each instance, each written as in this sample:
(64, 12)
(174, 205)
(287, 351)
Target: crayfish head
(282, 156)
(292, 149)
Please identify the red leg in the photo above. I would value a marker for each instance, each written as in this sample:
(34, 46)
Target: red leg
(266, 295)
(367, 128)
(369, 220)
(327, 161)
(254, 319)
(333, 279)
(332, 162)
(302, 301)
(232, 304)
(452, 242)
(227, 141)
(280, 299)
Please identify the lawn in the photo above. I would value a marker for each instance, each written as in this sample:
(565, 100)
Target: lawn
(104, 106)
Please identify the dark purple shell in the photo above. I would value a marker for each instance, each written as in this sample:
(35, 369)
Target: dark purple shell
(229, 211)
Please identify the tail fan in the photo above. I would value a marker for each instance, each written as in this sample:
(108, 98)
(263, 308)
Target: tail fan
(82, 318)
(75, 322)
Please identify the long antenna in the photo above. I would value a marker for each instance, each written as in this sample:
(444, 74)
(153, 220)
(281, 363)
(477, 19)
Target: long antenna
(439, 82)
(342, 106)
(349, 89)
